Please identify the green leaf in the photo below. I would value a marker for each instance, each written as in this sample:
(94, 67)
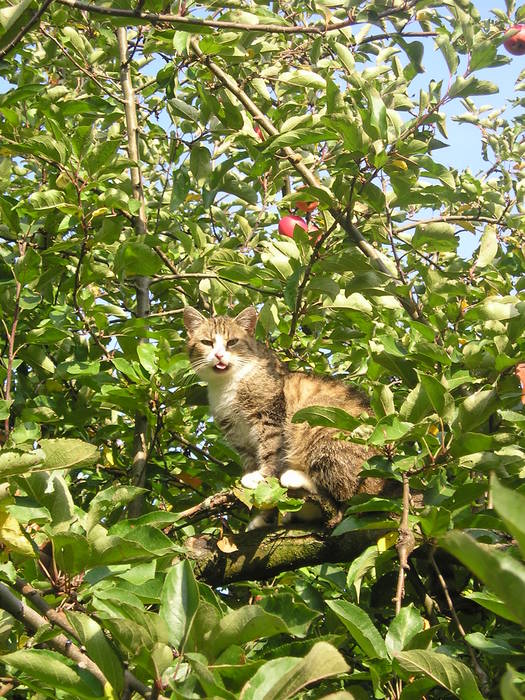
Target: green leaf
(27, 267)
(98, 648)
(179, 602)
(68, 453)
(361, 627)
(438, 236)
(9, 15)
(511, 683)
(328, 416)
(448, 51)
(108, 500)
(403, 628)
(135, 258)
(71, 552)
(475, 410)
(465, 87)
(16, 461)
(147, 357)
(282, 678)
(183, 109)
(493, 308)
(200, 164)
(303, 78)
(491, 602)
(511, 508)
(243, 625)
(52, 670)
(389, 429)
(297, 616)
(377, 112)
(489, 247)
(499, 571)
(444, 670)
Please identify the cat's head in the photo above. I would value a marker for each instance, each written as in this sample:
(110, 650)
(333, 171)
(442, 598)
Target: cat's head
(220, 346)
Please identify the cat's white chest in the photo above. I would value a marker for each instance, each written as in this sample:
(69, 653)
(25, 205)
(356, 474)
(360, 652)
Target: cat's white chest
(222, 396)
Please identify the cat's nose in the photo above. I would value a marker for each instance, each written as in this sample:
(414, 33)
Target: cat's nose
(219, 354)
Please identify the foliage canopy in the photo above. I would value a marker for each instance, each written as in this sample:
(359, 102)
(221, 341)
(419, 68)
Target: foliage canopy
(145, 159)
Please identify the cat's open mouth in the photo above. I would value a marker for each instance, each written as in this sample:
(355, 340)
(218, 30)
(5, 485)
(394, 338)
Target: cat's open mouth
(220, 367)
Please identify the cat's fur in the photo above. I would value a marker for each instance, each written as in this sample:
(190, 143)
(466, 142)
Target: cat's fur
(253, 397)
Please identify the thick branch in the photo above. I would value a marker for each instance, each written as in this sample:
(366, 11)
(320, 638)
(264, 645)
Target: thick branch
(262, 554)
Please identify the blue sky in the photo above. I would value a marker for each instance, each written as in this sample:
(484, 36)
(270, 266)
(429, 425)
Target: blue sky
(464, 139)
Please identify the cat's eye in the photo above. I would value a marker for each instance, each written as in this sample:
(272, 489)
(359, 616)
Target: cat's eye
(232, 342)
(205, 341)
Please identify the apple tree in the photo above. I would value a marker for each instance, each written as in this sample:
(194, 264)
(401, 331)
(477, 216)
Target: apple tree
(148, 153)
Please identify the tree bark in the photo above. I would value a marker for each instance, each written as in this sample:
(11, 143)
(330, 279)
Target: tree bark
(262, 554)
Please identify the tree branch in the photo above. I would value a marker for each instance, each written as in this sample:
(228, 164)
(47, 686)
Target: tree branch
(140, 452)
(262, 554)
(405, 544)
(179, 20)
(482, 676)
(25, 29)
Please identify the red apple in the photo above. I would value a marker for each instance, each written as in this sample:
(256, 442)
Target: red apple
(307, 206)
(288, 223)
(515, 44)
(258, 131)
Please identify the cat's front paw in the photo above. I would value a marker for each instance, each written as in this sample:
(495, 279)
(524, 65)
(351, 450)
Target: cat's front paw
(294, 479)
(251, 479)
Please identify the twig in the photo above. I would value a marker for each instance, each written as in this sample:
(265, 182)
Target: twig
(307, 272)
(480, 673)
(194, 448)
(213, 276)
(445, 218)
(80, 67)
(405, 545)
(25, 29)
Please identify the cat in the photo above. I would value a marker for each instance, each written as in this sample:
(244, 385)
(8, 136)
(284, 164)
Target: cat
(253, 396)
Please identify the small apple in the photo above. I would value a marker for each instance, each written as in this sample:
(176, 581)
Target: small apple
(288, 223)
(307, 206)
(258, 131)
(515, 44)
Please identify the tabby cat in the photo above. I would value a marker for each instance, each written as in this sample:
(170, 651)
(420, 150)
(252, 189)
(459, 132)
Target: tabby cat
(253, 396)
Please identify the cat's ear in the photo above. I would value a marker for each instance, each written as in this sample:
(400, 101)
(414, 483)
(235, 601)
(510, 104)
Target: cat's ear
(192, 318)
(247, 319)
